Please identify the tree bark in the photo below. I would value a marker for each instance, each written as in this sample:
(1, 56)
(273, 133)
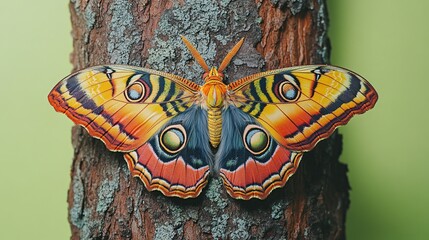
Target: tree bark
(105, 202)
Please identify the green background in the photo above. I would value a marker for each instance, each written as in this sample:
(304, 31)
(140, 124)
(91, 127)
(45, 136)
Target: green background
(386, 149)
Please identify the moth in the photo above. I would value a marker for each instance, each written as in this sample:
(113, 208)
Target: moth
(174, 133)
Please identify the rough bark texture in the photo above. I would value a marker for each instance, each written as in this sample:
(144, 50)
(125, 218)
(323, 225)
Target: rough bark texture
(105, 202)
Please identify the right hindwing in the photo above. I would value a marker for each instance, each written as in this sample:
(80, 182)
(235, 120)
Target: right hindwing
(250, 162)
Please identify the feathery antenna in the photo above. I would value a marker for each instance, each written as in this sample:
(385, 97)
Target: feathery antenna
(230, 55)
(203, 63)
(196, 54)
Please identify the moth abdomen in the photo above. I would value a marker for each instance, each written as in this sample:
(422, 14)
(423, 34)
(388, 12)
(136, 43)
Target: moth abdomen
(214, 122)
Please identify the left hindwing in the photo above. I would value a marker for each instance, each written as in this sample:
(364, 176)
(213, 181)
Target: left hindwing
(176, 160)
(300, 106)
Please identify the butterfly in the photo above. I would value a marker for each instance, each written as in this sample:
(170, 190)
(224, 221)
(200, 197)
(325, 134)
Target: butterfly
(174, 133)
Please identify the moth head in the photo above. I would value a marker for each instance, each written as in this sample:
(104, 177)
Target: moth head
(213, 75)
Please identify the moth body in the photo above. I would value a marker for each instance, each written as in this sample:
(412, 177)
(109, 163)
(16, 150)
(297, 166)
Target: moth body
(214, 91)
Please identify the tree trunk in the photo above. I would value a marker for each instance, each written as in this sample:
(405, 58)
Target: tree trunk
(105, 202)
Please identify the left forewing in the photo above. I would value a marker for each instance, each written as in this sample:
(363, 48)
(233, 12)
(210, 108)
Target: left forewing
(122, 105)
